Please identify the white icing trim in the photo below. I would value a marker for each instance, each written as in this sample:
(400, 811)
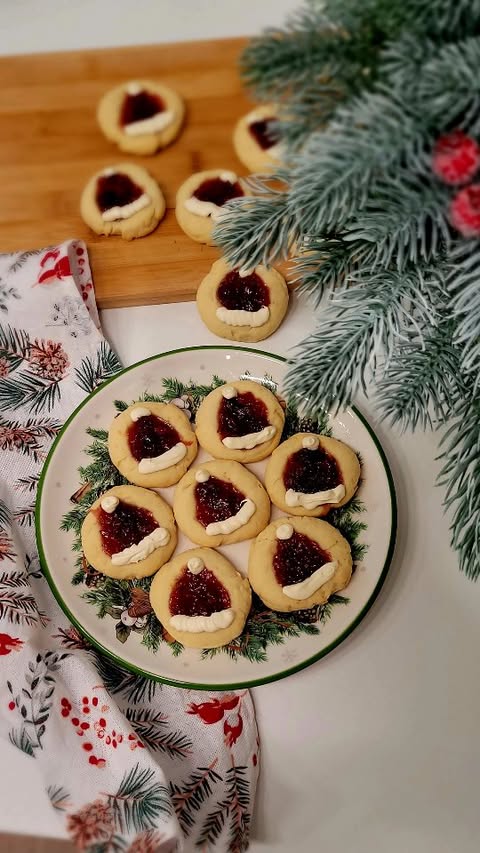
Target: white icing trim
(158, 463)
(153, 124)
(201, 208)
(125, 211)
(234, 317)
(247, 442)
(202, 476)
(306, 588)
(139, 412)
(310, 500)
(234, 522)
(199, 624)
(284, 531)
(109, 503)
(195, 565)
(141, 550)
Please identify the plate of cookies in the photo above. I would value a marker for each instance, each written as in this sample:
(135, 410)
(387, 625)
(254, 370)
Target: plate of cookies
(201, 529)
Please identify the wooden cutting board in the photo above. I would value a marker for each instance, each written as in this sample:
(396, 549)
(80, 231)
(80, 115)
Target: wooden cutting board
(50, 145)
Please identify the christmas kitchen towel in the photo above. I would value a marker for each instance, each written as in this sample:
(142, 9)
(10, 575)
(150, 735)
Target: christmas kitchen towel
(129, 764)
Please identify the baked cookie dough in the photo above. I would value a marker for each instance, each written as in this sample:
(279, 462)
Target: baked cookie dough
(128, 533)
(311, 474)
(240, 420)
(242, 306)
(255, 141)
(200, 199)
(220, 503)
(123, 199)
(141, 116)
(298, 563)
(152, 444)
(200, 599)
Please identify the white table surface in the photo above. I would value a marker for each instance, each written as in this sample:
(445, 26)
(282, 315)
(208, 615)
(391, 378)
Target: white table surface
(374, 749)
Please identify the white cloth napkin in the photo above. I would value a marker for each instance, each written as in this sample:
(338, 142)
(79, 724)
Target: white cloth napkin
(129, 764)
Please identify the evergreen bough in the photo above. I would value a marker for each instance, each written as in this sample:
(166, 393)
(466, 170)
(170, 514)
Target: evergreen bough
(365, 90)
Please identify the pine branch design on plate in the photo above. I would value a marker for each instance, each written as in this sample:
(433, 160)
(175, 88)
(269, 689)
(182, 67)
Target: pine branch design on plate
(111, 597)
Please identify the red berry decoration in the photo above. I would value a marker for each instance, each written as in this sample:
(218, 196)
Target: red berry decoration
(465, 211)
(456, 157)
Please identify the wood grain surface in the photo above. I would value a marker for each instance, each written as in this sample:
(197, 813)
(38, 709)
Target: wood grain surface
(50, 145)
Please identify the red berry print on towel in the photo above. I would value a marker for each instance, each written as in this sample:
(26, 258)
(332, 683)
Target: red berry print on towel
(86, 289)
(53, 267)
(228, 709)
(9, 644)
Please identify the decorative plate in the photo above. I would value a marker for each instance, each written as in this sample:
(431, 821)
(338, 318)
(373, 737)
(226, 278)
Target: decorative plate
(116, 616)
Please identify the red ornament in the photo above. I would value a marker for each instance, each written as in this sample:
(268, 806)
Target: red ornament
(465, 211)
(456, 157)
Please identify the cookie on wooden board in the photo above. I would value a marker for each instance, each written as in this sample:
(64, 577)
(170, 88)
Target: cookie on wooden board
(122, 200)
(141, 116)
(200, 199)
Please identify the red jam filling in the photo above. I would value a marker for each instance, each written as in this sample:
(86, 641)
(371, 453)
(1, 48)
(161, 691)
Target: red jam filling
(242, 415)
(264, 133)
(217, 191)
(116, 190)
(243, 294)
(311, 471)
(126, 526)
(140, 106)
(198, 595)
(151, 436)
(216, 500)
(297, 558)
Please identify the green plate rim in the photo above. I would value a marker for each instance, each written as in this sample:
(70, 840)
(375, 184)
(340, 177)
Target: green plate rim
(187, 684)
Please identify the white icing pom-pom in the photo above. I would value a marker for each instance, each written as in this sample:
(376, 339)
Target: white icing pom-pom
(195, 565)
(229, 393)
(230, 177)
(311, 442)
(202, 476)
(284, 531)
(133, 88)
(109, 503)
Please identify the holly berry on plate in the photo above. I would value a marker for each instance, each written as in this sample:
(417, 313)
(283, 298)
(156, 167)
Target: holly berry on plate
(456, 157)
(465, 211)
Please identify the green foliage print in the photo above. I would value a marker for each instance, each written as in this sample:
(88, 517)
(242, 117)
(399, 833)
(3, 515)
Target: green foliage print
(112, 598)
